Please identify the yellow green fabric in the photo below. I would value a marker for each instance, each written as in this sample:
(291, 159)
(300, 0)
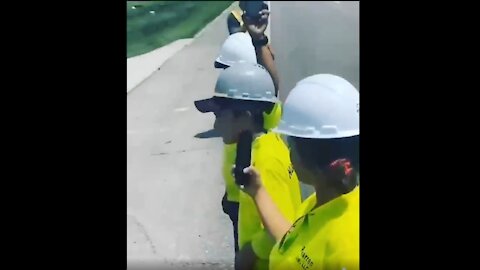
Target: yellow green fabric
(270, 156)
(323, 238)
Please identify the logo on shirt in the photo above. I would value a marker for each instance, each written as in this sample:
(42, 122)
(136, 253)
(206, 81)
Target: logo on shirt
(304, 260)
(290, 171)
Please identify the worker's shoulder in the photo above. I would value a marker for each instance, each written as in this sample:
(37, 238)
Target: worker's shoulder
(271, 150)
(271, 142)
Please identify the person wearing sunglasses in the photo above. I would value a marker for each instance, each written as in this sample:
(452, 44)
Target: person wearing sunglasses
(321, 122)
(244, 92)
(239, 48)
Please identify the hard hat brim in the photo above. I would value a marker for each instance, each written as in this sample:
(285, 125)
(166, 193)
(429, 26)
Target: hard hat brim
(218, 103)
(207, 105)
(314, 134)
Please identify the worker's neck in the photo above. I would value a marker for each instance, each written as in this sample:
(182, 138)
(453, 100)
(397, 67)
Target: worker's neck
(325, 194)
(256, 132)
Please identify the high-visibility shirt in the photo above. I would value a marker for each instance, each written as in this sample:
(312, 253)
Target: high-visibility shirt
(271, 157)
(272, 119)
(324, 238)
(229, 154)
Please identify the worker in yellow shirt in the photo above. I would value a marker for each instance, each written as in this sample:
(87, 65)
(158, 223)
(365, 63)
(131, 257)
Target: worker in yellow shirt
(239, 47)
(321, 121)
(236, 48)
(235, 22)
(251, 47)
(244, 92)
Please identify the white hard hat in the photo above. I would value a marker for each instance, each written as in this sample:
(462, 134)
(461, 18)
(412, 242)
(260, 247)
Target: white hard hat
(241, 81)
(237, 47)
(322, 106)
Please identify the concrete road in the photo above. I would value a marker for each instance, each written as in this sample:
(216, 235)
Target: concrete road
(174, 183)
(315, 37)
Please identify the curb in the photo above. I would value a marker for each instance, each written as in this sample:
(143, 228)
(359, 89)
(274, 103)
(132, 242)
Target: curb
(147, 75)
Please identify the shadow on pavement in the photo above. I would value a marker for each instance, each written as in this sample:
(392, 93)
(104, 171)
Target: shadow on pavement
(207, 134)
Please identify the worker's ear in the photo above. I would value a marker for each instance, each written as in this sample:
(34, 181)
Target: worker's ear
(243, 118)
(243, 114)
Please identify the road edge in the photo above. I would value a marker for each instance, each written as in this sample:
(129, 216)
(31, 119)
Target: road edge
(149, 73)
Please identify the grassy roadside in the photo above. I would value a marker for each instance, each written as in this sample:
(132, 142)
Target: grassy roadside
(152, 24)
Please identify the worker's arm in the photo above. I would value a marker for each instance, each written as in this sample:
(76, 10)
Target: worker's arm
(272, 218)
(265, 58)
(256, 29)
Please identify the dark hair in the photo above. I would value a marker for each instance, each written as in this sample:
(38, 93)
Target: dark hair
(320, 153)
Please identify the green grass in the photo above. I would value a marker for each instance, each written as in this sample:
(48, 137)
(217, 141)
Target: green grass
(172, 20)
